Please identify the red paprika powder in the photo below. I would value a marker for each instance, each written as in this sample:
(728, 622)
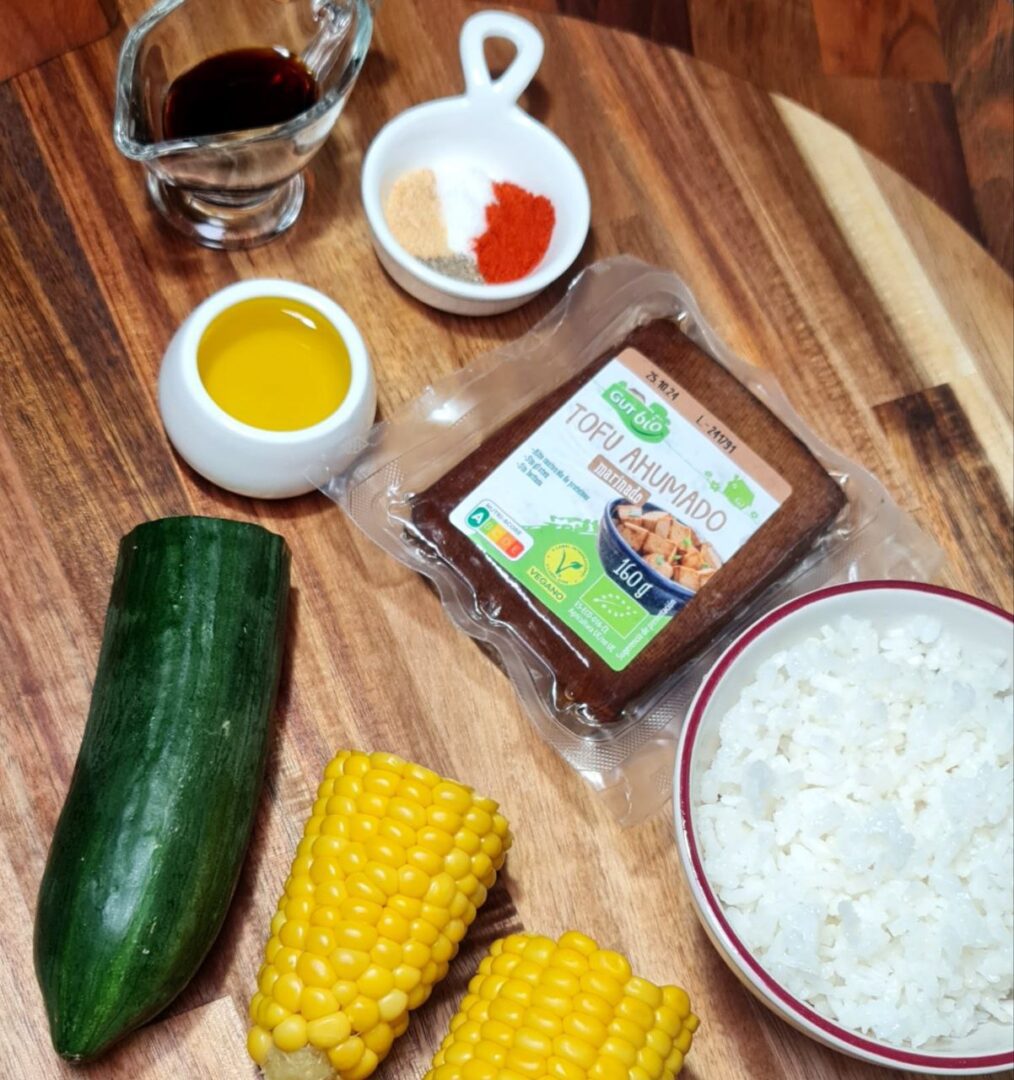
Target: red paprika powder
(519, 226)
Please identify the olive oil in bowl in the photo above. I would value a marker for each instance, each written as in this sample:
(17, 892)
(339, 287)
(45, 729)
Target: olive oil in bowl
(274, 363)
(267, 389)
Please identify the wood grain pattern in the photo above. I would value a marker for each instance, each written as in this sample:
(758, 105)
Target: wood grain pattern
(889, 327)
(33, 32)
(727, 35)
(931, 431)
(664, 21)
(978, 40)
(924, 84)
(911, 125)
(904, 266)
(897, 39)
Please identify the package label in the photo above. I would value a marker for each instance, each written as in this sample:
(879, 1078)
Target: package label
(622, 506)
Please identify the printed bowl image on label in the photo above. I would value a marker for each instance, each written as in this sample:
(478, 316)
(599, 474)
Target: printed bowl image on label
(654, 557)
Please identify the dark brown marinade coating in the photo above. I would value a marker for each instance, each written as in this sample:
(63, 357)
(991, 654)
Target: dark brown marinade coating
(586, 688)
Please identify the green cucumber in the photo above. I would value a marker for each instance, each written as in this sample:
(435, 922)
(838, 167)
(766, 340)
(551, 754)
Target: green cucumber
(149, 845)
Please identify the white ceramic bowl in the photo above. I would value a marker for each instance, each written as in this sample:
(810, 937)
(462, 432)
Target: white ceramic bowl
(483, 127)
(991, 1047)
(247, 459)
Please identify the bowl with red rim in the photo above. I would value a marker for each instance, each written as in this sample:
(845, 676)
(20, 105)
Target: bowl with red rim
(484, 128)
(988, 1049)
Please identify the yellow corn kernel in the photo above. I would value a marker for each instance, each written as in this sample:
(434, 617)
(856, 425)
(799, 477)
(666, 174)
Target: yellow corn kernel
(392, 1005)
(560, 1069)
(593, 1005)
(427, 861)
(387, 954)
(621, 1049)
(327, 1032)
(316, 1002)
(375, 982)
(293, 932)
(367, 1065)
(379, 1039)
(408, 907)
(537, 1042)
(393, 926)
(566, 1010)
(270, 1014)
(391, 867)
(290, 1034)
(543, 1021)
(608, 1068)
(259, 1044)
(363, 1013)
(315, 970)
(346, 1055)
(406, 977)
(627, 1031)
(424, 932)
(287, 991)
(585, 1027)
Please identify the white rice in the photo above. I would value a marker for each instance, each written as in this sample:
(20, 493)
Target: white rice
(856, 825)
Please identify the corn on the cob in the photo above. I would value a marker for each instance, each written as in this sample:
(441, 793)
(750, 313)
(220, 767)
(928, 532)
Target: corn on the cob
(568, 1010)
(393, 864)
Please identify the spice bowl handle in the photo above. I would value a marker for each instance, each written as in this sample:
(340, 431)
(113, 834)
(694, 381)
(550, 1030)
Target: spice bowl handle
(479, 83)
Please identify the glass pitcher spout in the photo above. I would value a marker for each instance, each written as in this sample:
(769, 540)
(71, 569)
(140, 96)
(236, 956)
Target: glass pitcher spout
(234, 188)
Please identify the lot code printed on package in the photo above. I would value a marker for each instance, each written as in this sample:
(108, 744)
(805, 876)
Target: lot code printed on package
(621, 506)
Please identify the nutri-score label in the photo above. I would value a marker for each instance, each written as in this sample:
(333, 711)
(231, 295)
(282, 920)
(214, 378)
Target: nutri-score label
(622, 506)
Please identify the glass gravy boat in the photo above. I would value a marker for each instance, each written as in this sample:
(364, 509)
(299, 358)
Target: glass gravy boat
(243, 188)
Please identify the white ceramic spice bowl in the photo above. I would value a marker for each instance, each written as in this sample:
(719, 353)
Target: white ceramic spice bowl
(250, 460)
(483, 127)
(989, 1048)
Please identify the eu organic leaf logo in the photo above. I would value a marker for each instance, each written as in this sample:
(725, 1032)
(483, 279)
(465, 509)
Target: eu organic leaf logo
(647, 422)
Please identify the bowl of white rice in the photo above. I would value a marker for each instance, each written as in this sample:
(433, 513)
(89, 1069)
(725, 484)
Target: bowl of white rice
(843, 801)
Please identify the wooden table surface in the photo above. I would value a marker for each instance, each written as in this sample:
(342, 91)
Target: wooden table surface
(889, 327)
(925, 85)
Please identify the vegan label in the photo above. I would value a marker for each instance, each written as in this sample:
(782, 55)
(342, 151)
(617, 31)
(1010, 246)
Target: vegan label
(622, 506)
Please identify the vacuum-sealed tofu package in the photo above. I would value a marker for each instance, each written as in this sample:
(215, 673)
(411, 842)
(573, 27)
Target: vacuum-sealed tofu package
(606, 502)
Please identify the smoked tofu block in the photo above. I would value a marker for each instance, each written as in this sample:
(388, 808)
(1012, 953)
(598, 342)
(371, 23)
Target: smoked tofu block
(634, 536)
(691, 560)
(585, 689)
(711, 558)
(658, 521)
(681, 535)
(685, 576)
(630, 513)
(657, 545)
(661, 565)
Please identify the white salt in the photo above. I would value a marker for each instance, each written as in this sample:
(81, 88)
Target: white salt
(464, 192)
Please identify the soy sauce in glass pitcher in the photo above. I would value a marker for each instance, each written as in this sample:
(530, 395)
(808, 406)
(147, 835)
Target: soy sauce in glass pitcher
(241, 182)
(238, 90)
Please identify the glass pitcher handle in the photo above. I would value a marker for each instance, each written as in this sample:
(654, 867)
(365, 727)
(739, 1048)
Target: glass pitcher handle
(320, 6)
(335, 20)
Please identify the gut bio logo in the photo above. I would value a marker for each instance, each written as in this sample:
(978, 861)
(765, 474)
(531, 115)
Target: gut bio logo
(647, 422)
